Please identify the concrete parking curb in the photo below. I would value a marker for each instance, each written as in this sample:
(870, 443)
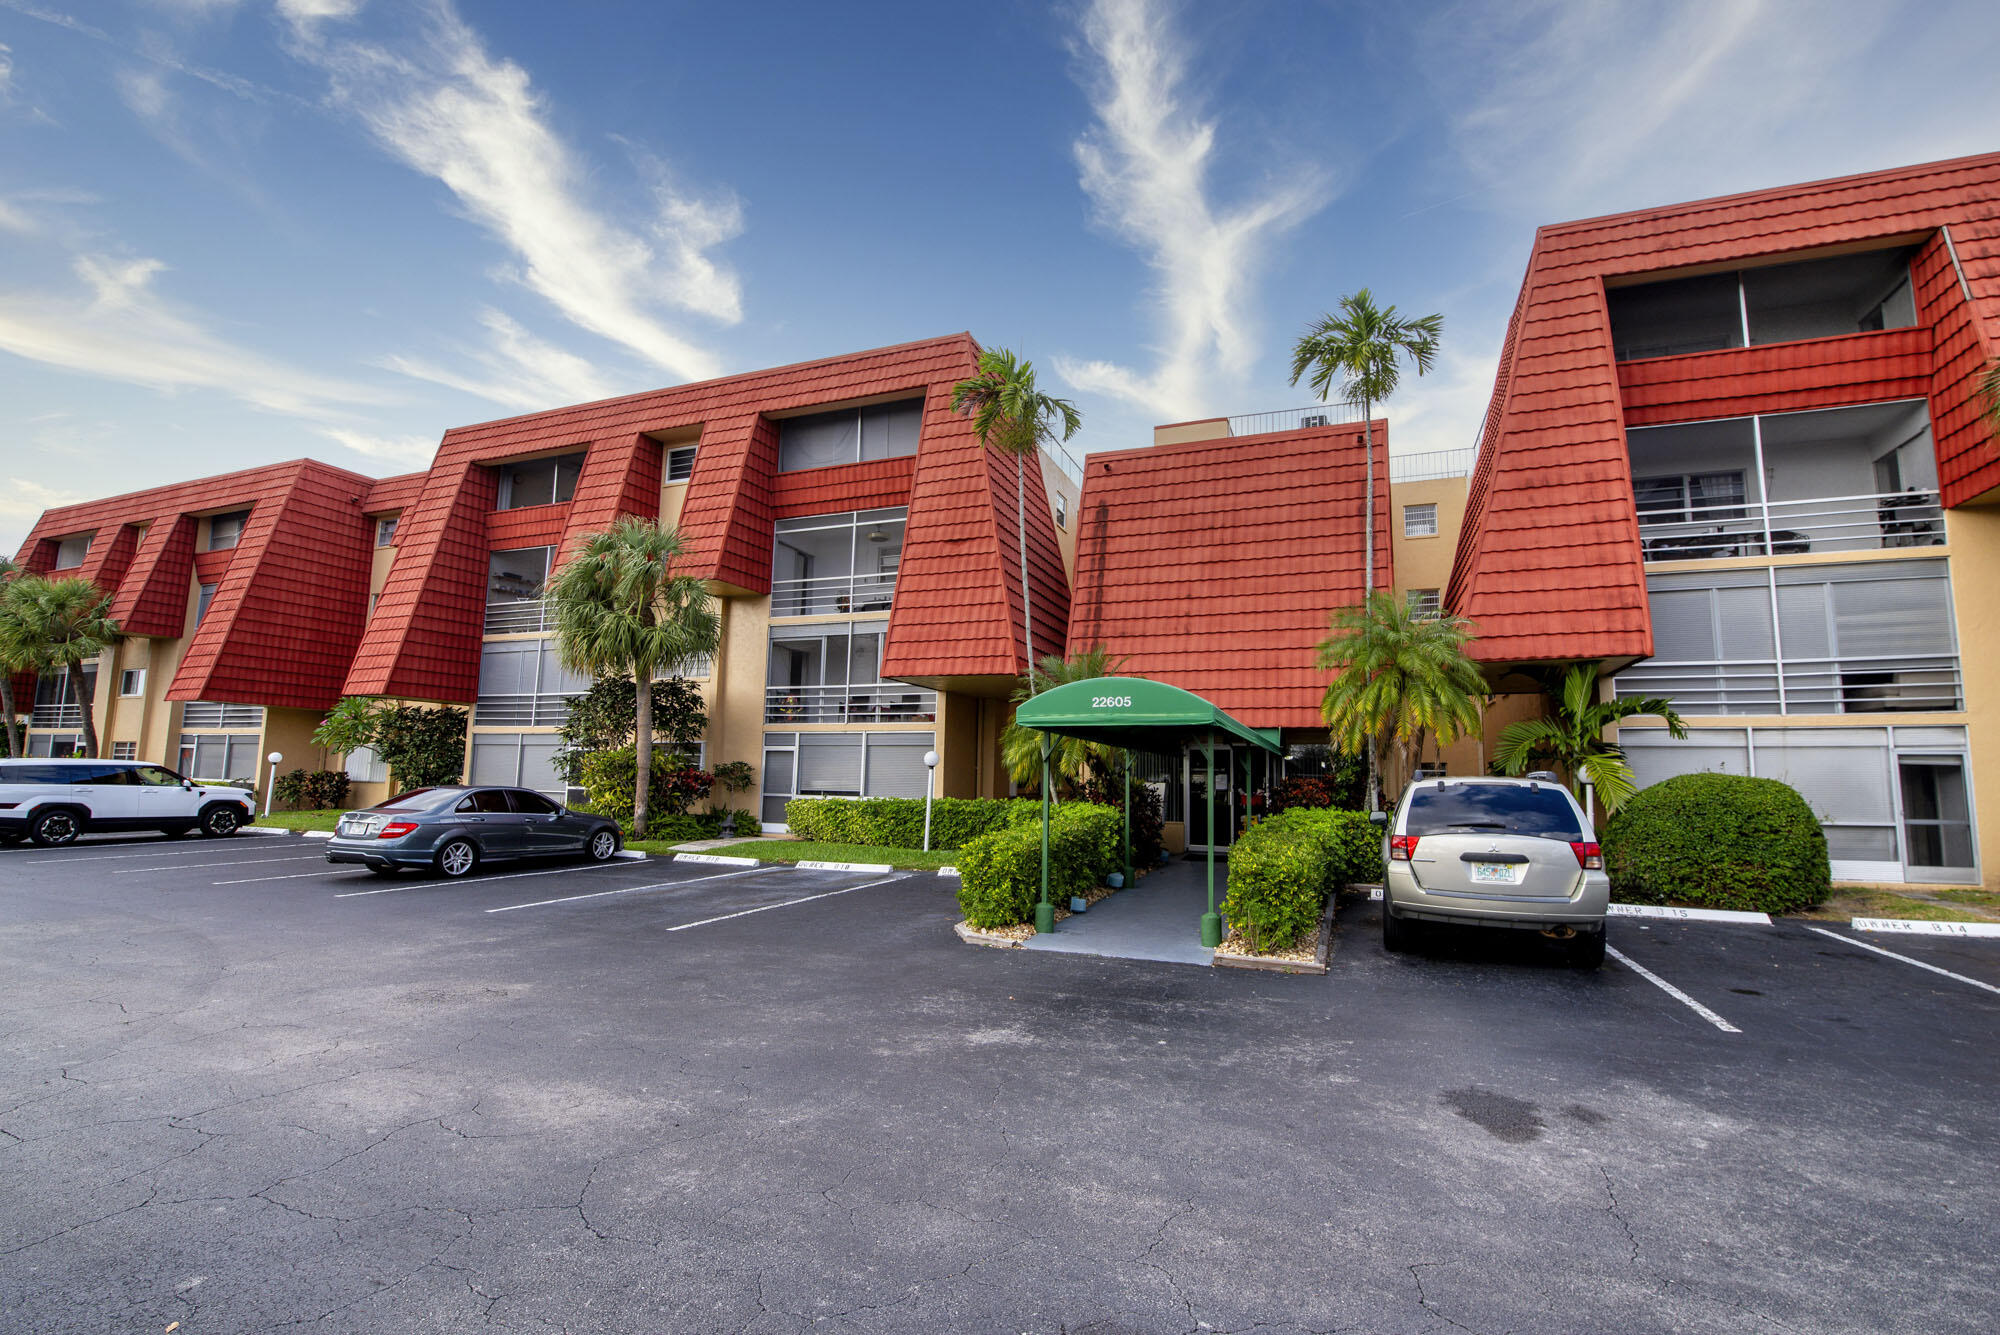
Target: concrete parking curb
(1223, 960)
(1924, 927)
(717, 860)
(973, 936)
(947, 871)
(875, 867)
(1687, 915)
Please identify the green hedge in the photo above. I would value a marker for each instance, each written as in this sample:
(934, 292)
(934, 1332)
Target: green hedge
(612, 777)
(685, 828)
(1283, 868)
(1722, 841)
(898, 822)
(1000, 874)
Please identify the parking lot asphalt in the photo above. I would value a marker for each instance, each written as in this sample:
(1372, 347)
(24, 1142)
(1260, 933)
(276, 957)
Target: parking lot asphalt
(242, 1091)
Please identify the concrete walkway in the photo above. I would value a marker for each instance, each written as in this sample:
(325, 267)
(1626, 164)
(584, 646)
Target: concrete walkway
(1158, 919)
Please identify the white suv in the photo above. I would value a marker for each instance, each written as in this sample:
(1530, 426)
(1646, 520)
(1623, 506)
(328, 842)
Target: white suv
(54, 801)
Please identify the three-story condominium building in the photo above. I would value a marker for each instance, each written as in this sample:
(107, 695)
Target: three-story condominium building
(1736, 454)
(1736, 451)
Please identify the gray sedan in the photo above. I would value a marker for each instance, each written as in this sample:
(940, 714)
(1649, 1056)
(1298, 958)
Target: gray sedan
(453, 829)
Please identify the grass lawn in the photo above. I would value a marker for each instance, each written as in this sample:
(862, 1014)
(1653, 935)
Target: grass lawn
(798, 850)
(298, 820)
(1854, 901)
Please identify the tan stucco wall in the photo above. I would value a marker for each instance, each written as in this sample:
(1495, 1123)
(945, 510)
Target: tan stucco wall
(735, 688)
(1179, 433)
(1973, 537)
(289, 732)
(1425, 563)
(673, 495)
(378, 570)
(1055, 482)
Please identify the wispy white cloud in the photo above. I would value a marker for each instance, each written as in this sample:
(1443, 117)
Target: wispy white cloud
(516, 369)
(1145, 164)
(410, 452)
(1567, 108)
(118, 326)
(22, 501)
(447, 108)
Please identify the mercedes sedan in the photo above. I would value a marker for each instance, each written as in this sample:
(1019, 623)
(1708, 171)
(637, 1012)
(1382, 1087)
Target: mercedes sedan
(455, 829)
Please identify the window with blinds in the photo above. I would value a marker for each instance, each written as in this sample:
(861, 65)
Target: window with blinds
(1835, 639)
(515, 760)
(842, 764)
(523, 684)
(213, 714)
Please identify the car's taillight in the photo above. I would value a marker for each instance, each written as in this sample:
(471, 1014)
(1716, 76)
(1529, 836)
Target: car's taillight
(1402, 847)
(1588, 856)
(396, 829)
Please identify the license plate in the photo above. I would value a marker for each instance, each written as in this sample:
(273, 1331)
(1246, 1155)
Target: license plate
(1493, 873)
(353, 827)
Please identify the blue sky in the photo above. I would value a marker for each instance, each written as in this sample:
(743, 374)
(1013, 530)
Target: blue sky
(239, 231)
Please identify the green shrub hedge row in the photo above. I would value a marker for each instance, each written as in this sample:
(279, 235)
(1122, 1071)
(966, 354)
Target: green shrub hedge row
(1283, 868)
(1723, 841)
(679, 829)
(1000, 873)
(898, 822)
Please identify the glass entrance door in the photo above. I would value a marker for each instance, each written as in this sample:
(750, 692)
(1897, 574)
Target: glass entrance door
(1239, 772)
(1937, 819)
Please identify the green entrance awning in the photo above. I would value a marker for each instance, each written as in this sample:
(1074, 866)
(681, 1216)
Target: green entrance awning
(1138, 715)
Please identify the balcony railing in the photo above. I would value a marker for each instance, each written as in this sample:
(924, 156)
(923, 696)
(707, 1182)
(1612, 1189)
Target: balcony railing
(524, 616)
(1790, 528)
(56, 716)
(1432, 465)
(882, 702)
(1294, 419)
(1855, 685)
(832, 595)
(521, 711)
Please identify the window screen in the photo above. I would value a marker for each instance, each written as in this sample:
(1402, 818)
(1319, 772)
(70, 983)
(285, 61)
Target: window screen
(71, 551)
(1420, 521)
(896, 763)
(850, 435)
(225, 531)
(830, 764)
(680, 463)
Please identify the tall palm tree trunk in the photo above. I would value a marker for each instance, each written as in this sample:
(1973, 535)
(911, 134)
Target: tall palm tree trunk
(1368, 515)
(14, 747)
(642, 737)
(1021, 530)
(88, 708)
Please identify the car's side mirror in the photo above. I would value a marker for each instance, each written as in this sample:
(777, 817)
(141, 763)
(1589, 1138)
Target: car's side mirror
(188, 784)
(1378, 818)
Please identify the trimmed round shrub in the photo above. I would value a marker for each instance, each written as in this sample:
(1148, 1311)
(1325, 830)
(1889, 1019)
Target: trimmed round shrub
(1723, 841)
(1284, 867)
(1000, 874)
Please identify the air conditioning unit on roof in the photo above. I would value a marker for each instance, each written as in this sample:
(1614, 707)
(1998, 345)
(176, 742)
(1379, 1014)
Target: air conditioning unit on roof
(1313, 419)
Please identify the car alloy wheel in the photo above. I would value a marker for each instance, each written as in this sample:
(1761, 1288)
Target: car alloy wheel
(220, 822)
(457, 858)
(603, 846)
(56, 828)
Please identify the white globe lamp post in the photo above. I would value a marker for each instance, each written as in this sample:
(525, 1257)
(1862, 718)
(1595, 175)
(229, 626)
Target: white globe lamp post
(930, 783)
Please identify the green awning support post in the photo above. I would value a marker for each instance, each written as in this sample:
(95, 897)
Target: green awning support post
(1045, 912)
(1128, 820)
(1211, 921)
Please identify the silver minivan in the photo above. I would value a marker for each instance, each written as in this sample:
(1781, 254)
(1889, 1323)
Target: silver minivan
(1494, 852)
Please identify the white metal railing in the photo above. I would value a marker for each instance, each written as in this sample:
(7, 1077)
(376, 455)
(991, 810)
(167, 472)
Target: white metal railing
(832, 595)
(1431, 465)
(875, 702)
(521, 711)
(1789, 528)
(1294, 419)
(56, 716)
(1928, 683)
(517, 616)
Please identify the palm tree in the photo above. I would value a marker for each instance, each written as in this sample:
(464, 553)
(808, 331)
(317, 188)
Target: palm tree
(9, 568)
(1397, 676)
(620, 607)
(1071, 758)
(52, 624)
(1572, 737)
(1363, 349)
(1011, 416)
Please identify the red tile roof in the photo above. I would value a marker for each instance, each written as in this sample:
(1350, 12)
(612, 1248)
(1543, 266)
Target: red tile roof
(950, 609)
(292, 593)
(1549, 563)
(393, 493)
(1213, 565)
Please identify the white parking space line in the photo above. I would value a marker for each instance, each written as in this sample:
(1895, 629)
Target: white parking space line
(1955, 977)
(295, 876)
(1672, 991)
(744, 913)
(227, 862)
(628, 890)
(478, 880)
(208, 849)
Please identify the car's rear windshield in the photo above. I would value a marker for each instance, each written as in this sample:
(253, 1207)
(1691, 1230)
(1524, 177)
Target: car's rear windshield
(1541, 810)
(419, 799)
